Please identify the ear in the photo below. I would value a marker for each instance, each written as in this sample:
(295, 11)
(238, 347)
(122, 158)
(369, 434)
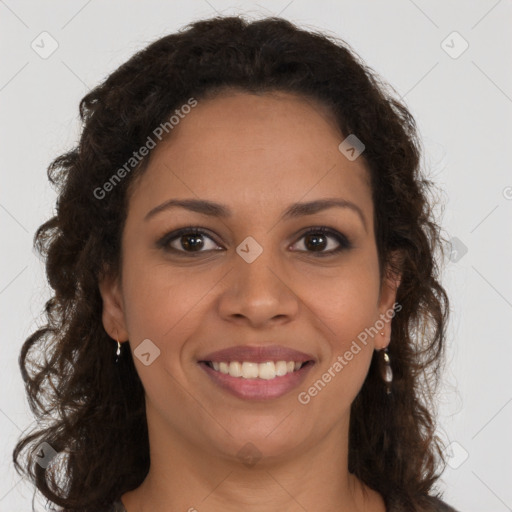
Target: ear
(113, 311)
(387, 298)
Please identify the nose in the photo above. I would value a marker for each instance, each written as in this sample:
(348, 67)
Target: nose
(259, 292)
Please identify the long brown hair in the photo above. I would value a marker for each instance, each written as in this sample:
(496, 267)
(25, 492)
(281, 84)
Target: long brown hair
(93, 410)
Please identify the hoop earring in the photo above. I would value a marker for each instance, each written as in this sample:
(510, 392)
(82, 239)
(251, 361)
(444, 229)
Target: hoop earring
(385, 368)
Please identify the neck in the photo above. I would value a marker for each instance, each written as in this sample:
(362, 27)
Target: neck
(185, 476)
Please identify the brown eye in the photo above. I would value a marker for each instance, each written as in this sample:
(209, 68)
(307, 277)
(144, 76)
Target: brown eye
(187, 240)
(320, 241)
(316, 240)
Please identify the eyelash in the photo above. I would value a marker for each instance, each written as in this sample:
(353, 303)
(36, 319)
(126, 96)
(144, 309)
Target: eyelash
(163, 243)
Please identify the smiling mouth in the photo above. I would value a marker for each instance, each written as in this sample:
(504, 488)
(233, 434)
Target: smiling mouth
(267, 370)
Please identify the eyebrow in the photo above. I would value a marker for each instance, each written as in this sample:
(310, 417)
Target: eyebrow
(295, 210)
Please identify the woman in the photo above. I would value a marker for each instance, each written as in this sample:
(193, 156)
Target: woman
(245, 217)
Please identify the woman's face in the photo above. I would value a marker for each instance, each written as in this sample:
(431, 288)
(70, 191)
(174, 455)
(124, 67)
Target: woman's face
(254, 278)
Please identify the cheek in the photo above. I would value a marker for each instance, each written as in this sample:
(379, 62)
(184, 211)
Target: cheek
(162, 302)
(347, 300)
(346, 307)
(346, 320)
(164, 306)
(350, 317)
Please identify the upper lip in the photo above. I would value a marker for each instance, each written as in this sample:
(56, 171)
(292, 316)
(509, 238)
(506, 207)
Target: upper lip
(257, 354)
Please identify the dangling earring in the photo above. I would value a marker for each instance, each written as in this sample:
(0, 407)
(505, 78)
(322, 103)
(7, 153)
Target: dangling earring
(385, 368)
(118, 349)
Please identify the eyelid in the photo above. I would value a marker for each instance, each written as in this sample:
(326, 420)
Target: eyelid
(164, 241)
(344, 242)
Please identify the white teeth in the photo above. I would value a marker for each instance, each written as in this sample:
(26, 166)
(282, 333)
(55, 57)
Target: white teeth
(249, 370)
(267, 370)
(235, 369)
(281, 368)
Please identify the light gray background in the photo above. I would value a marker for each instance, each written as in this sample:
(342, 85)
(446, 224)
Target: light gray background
(463, 108)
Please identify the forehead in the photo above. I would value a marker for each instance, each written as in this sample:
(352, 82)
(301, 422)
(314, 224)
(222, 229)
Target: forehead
(253, 150)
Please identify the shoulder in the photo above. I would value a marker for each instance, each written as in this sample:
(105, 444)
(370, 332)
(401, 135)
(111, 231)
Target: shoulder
(117, 506)
(438, 505)
(419, 504)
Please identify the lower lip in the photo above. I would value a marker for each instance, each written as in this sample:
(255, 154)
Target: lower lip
(258, 389)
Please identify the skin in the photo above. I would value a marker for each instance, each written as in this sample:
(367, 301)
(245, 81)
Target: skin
(256, 154)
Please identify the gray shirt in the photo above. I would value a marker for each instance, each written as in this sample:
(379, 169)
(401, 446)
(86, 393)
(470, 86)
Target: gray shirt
(431, 504)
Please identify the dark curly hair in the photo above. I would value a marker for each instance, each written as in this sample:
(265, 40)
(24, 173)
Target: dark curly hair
(94, 410)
